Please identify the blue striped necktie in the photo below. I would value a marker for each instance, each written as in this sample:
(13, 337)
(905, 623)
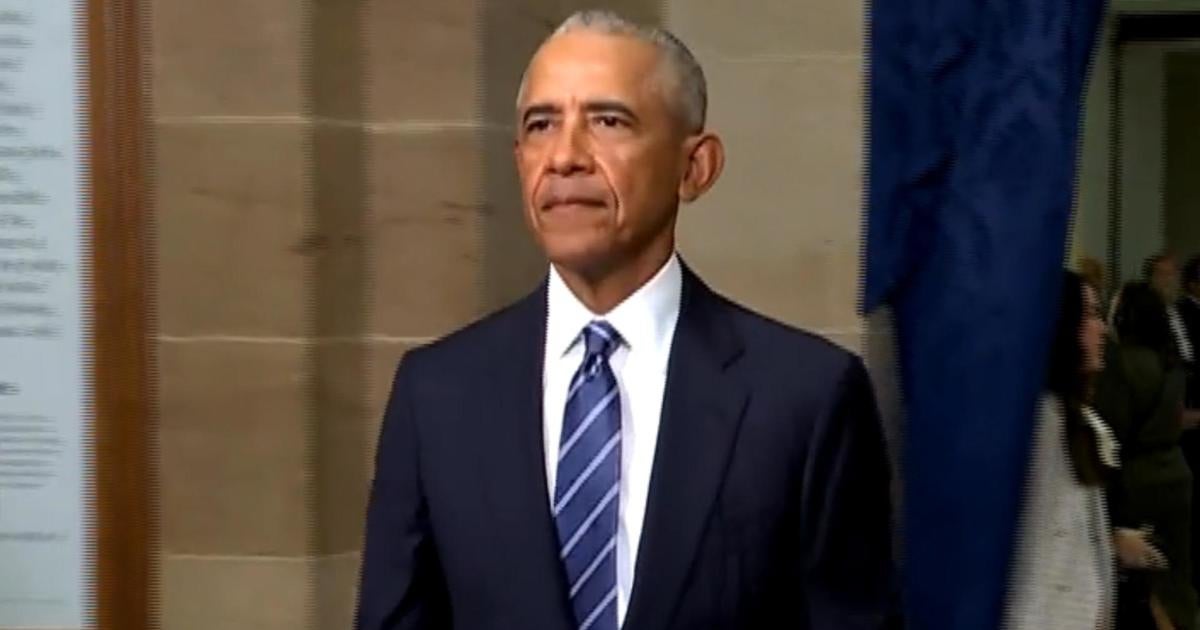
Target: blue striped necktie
(586, 493)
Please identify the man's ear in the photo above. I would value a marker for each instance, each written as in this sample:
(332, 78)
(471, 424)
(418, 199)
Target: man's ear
(706, 160)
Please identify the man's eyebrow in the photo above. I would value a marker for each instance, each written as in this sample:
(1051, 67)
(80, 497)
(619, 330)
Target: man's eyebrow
(539, 109)
(601, 106)
(609, 106)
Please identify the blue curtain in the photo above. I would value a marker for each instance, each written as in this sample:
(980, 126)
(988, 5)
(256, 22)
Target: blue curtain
(975, 108)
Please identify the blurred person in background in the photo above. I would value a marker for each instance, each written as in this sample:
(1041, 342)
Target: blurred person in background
(1114, 306)
(1189, 305)
(1189, 311)
(1091, 271)
(1063, 575)
(1163, 276)
(1141, 394)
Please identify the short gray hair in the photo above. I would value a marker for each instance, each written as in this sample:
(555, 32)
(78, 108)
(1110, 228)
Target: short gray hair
(691, 88)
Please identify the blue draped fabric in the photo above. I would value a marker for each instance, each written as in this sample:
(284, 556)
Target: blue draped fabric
(975, 109)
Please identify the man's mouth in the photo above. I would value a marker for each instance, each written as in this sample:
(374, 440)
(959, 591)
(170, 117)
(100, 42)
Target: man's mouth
(584, 202)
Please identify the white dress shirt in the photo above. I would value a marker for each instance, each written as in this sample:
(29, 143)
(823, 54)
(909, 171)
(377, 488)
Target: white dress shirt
(646, 322)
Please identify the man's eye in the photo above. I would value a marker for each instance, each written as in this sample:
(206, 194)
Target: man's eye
(610, 121)
(534, 126)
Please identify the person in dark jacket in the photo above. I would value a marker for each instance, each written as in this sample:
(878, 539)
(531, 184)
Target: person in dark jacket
(1141, 395)
(1188, 308)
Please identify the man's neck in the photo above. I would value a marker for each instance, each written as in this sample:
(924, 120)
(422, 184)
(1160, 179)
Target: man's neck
(602, 292)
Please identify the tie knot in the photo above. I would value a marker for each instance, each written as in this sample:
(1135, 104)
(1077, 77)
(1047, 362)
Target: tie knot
(600, 339)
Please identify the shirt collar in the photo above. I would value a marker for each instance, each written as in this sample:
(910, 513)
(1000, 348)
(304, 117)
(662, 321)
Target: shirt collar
(645, 319)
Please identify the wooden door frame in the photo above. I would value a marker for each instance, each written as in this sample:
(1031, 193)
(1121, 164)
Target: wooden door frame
(124, 478)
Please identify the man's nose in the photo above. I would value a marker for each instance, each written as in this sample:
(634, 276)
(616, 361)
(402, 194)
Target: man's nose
(571, 153)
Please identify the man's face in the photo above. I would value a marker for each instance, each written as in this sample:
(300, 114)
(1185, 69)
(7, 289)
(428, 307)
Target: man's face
(1165, 279)
(600, 150)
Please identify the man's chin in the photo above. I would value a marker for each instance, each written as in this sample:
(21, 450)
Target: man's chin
(580, 259)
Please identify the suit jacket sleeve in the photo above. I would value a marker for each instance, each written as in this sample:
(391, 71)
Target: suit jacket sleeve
(847, 543)
(401, 585)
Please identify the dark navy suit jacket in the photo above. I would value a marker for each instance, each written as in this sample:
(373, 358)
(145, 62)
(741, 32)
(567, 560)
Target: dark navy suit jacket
(768, 501)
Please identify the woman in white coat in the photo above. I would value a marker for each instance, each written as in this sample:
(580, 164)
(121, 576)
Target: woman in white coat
(1065, 558)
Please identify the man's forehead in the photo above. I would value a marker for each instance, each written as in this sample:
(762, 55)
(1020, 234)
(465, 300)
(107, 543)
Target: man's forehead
(577, 58)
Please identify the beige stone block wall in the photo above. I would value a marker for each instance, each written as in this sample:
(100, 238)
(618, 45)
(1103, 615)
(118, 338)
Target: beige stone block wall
(232, 210)
(334, 184)
(780, 232)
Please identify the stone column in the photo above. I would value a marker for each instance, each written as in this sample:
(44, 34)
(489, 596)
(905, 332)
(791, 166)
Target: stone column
(232, 139)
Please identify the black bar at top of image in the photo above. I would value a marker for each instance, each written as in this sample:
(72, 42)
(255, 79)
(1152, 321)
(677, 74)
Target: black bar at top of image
(1166, 26)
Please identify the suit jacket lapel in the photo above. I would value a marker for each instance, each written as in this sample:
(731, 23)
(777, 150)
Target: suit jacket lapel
(702, 409)
(512, 464)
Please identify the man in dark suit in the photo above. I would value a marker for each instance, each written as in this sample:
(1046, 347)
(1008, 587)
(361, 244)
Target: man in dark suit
(625, 448)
